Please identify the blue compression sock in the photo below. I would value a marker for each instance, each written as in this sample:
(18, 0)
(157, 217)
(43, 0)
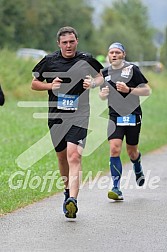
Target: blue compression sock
(137, 164)
(116, 170)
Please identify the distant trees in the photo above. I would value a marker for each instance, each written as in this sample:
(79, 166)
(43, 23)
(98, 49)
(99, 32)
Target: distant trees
(127, 21)
(34, 23)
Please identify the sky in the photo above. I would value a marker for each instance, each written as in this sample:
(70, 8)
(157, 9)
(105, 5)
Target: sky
(157, 11)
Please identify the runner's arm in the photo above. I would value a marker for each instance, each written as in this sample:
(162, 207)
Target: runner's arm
(41, 86)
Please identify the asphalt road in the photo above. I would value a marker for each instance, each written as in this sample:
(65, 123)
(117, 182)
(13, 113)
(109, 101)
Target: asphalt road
(139, 223)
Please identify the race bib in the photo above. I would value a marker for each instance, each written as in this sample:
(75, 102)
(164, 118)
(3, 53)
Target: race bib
(129, 120)
(67, 102)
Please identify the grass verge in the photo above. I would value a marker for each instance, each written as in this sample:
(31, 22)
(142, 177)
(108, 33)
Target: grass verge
(19, 131)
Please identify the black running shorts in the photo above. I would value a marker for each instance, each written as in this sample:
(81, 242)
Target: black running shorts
(63, 131)
(130, 132)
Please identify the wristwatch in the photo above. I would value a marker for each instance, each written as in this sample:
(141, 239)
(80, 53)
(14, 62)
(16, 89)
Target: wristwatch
(93, 84)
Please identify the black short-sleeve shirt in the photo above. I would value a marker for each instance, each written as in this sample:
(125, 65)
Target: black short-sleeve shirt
(117, 102)
(74, 70)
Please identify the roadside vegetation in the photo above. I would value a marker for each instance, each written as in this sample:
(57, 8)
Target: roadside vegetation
(19, 130)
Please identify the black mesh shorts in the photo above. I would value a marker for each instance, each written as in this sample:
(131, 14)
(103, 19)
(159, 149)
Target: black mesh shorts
(131, 133)
(68, 130)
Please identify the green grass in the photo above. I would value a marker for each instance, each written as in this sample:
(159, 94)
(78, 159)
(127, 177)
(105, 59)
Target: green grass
(19, 131)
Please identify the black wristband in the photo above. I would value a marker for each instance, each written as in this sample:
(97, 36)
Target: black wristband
(129, 90)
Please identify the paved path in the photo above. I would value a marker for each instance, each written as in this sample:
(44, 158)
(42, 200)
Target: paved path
(137, 224)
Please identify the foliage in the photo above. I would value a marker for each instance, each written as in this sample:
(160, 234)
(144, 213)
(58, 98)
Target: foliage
(127, 21)
(19, 131)
(34, 24)
(164, 50)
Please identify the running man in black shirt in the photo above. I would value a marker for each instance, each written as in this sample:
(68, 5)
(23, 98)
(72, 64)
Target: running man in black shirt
(123, 85)
(63, 72)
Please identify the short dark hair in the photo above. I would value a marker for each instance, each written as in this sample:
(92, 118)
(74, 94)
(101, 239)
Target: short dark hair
(66, 29)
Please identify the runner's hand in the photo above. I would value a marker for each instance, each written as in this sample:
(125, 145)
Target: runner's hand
(87, 83)
(56, 83)
(122, 87)
(104, 92)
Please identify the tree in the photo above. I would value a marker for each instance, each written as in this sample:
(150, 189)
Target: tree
(11, 17)
(127, 22)
(34, 23)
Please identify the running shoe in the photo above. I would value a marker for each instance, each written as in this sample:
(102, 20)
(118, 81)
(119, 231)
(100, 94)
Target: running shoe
(115, 194)
(71, 207)
(140, 179)
(66, 194)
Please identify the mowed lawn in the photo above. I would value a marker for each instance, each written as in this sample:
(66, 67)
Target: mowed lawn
(28, 164)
